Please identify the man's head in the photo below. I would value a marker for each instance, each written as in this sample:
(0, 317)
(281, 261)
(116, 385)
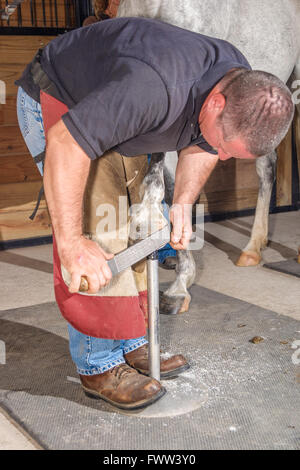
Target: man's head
(247, 114)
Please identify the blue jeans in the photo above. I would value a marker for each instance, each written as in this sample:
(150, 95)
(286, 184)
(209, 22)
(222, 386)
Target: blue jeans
(91, 355)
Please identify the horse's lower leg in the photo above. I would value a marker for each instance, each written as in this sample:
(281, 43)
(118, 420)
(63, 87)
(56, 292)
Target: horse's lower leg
(251, 255)
(176, 298)
(147, 217)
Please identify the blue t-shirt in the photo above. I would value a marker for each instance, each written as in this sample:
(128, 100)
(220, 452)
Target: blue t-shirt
(135, 85)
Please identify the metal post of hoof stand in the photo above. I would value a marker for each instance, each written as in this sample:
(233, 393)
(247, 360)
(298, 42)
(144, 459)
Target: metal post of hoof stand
(153, 315)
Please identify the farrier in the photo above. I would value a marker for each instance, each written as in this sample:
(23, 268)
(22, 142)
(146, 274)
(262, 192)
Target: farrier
(111, 93)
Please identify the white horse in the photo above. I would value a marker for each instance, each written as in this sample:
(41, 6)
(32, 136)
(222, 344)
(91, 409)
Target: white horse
(268, 34)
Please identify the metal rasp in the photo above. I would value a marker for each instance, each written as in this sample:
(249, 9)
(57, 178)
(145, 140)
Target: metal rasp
(135, 253)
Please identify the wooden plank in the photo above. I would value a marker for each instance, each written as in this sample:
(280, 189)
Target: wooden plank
(228, 201)
(24, 207)
(21, 49)
(19, 196)
(233, 174)
(8, 111)
(233, 186)
(284, 172)
(18, 169)
(11, 141)
(9, 73)
(20, 181)
(17, 225)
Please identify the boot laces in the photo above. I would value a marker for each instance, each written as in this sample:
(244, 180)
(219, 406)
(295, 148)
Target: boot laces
(122, 370)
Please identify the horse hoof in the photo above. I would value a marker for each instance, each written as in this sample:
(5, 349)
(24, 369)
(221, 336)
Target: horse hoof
(173, 305)
(248, 258)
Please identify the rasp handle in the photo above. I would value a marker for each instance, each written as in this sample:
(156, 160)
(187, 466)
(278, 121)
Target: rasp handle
(134, 254)
(84, 284)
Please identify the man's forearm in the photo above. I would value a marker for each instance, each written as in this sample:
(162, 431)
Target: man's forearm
(66, 173)
(193, 171)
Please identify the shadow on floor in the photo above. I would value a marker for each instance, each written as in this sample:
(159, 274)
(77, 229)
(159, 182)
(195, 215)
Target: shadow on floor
(230, 250)
(234, 252)
(38, 363)
(25, 262)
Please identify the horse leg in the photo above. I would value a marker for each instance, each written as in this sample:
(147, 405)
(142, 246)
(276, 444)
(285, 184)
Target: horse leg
(147, 217)
(251, 255)
(176, 299)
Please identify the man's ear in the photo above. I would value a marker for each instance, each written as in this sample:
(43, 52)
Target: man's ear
(216, 103)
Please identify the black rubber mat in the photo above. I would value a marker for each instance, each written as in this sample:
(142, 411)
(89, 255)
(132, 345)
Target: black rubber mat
(253, 389)
(290, 266)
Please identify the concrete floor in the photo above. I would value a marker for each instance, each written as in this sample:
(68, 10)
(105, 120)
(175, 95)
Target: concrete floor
(28, 279)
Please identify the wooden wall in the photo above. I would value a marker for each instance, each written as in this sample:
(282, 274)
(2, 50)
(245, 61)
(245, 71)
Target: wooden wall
(20, 181)
(232, 187)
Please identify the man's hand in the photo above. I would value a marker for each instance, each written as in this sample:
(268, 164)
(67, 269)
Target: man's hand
(86, 258)
(180, 217)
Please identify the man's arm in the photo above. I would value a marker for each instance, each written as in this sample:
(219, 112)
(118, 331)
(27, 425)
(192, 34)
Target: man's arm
(66, 172)
(193, 170)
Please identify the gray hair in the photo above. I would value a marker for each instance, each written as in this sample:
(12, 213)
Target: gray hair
(259, 109)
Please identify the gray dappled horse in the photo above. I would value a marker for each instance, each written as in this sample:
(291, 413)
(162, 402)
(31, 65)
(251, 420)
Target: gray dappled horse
(268, 34)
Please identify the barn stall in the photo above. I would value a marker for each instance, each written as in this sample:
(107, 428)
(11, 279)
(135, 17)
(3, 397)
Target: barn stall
(227, 314)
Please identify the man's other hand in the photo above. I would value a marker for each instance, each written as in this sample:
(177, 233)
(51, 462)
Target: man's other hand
(180, 217)
(85, 257)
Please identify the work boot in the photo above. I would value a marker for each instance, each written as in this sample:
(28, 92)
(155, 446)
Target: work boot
(170, 367)
(123, 387)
